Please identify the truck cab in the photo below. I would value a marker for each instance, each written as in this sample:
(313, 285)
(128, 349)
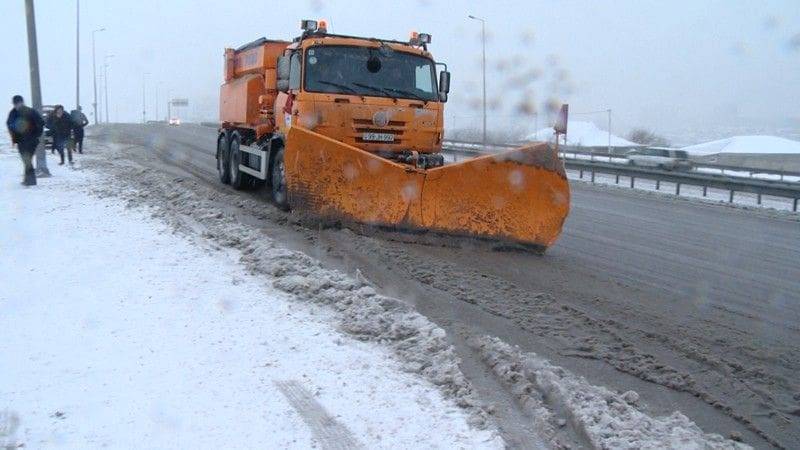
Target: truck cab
(377, 95)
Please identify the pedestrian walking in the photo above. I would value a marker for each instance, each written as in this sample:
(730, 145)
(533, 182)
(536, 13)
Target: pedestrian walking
(25, 126)
(79, 121)
(60, 126)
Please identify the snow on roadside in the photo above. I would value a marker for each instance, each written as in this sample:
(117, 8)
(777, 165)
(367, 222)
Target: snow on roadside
(583, 134)
(746, 144)
(604, 418)
(194, 207)
(744, 200)
(119, 332)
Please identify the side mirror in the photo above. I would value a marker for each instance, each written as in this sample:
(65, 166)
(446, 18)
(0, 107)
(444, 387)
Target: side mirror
(444, 82)
(283, 69)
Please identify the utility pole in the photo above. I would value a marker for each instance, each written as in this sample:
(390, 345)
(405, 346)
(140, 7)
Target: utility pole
(483, 41)
(157, 118)
(94, 76)
(100, 98)
(33, 57)
(36, 88)
(77, 53)
(105, 77)
(144, 97)
(609, 132)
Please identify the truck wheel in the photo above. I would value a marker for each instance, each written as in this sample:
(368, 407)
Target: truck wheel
(222, 159)
(238, 179)
(278, 178)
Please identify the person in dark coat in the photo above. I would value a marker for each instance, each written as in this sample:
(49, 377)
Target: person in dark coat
(79, 121)
(25, 126)
(60, 125)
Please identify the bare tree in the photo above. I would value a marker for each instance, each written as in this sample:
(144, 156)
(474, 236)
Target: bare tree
(647, 137)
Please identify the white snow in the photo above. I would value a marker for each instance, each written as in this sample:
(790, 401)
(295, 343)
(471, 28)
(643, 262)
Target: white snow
(119, 333)
(606, 419)
(746, 144)
(582, 134)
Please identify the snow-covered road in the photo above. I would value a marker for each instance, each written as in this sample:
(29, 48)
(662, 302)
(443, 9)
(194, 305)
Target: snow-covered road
(139, 309)
(119, 333)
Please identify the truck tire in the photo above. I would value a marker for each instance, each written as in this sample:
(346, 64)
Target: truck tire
(222, 159)
(239, 180)
(278, 182)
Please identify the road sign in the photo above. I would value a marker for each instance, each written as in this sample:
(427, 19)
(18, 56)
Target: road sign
(180, 102)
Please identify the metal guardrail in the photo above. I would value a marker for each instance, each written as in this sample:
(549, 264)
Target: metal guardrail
(704, 180)
(473, 148)
(732, 184)
(760, 187)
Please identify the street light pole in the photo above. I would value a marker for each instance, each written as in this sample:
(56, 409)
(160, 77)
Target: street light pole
(105, 77)
(33, 57)
(609, 132)
(94, 75)
(157, 102)
(483, 41)
(144, 97)
(77, 54)
(36, 87)
(169, 104)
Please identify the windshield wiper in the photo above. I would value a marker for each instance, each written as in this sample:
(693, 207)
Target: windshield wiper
(409, 93)
(374, 88)
(339, 85)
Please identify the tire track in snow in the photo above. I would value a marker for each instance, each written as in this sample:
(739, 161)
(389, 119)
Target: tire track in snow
(326, 429)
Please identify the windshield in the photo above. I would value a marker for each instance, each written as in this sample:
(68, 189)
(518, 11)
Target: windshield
(377, 72)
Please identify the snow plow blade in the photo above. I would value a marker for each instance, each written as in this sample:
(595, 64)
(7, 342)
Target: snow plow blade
(520, 196)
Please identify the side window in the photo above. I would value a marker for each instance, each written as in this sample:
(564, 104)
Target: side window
(424, 82)
(294, 71)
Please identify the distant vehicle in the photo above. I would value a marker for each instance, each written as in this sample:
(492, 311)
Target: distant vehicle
(48, 135)
(174, 121)
(662, 158)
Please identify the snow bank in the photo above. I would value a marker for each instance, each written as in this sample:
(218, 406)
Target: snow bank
(421, 345)
(604, 418)
(582, 134)
(119, 333)
(746, 144)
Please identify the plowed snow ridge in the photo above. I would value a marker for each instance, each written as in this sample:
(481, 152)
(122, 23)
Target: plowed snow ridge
(421, 345)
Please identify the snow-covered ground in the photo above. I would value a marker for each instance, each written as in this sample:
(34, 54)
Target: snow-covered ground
(582, 134)
(119, 333)
(740, 173)
(133, 319)
(606, 419)
(746, 144)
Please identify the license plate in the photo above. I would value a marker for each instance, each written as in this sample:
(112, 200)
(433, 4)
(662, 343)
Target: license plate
(378, 137)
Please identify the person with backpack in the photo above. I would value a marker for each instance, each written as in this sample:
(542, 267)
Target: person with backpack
(25, 125)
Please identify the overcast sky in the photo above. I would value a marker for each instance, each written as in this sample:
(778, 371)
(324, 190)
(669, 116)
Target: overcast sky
(666, 65)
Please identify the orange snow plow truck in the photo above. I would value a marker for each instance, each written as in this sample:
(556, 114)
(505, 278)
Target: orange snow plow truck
(350, 129)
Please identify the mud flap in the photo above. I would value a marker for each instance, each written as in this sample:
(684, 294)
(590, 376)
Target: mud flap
(520, 196)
